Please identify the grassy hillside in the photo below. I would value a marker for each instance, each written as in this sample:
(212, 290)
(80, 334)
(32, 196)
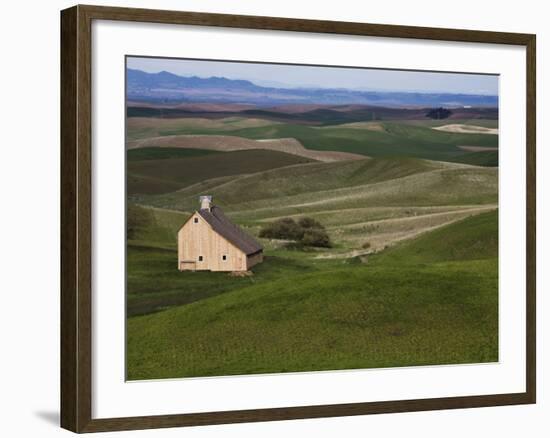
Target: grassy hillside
(150, 174)
(472, 238)
(411, 277)
(351, 317)
(393, 139)
(154, 283)
(386, 199)
(159, 153)
(430, 300)
(144, 127)
(481, 158)
(342, 185)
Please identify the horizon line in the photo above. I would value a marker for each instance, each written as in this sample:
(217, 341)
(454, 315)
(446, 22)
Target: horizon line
(317, 87)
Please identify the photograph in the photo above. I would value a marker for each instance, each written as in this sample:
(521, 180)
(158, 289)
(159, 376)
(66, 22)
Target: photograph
(285, 218)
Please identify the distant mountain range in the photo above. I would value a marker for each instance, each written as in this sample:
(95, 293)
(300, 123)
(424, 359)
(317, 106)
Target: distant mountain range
(165, 87)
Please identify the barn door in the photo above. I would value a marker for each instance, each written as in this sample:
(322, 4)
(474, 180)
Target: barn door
(188, 266)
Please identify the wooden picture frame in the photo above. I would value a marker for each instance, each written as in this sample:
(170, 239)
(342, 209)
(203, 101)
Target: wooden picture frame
(76, 218)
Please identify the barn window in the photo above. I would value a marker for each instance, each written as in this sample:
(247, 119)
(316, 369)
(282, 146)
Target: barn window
(224, 257)
(196, 220)
(200, 258)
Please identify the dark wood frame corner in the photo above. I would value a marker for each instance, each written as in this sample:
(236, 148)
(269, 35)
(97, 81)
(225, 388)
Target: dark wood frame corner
(76, 172)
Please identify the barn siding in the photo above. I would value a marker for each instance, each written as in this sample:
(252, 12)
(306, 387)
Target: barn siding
(196, 239)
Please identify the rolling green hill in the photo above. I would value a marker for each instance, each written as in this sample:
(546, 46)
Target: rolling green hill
(474, 238)
(393, 139)
(154, 283)
(412, 138)
(429, 300)
(481, 158)
(412, 274)
(341, 185)
(160, 153)
(350, 317)
(153, 174)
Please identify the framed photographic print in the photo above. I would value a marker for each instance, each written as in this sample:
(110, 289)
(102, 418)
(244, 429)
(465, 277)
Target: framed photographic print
(268, 219)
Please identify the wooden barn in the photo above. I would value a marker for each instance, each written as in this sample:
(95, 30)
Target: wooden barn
(209, 241)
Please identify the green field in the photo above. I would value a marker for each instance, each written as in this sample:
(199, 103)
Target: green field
(411, 277)
(333, 186)
(389, 138)
(159, 153)
(151, 171)
(297, 314)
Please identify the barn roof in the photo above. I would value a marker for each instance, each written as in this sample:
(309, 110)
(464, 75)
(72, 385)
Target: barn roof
(223, 226)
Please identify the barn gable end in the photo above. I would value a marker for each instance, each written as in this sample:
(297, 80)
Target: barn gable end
(208, 240)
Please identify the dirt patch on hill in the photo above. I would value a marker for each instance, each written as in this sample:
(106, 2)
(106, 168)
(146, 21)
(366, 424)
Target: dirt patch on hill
(369, 126)
(466, 129)
(136, 124)
(477, 148)
(231, 143)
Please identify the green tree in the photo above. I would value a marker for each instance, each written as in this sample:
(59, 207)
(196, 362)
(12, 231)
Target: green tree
(316, 237)
(438, 113)
(308, 223)
(285, 228)
(307, 231)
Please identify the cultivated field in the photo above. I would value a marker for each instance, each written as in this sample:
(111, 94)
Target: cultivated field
(228, 143)
(367, 138)
(411, 277)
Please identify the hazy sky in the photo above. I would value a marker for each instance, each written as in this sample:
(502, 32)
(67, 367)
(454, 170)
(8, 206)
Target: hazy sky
(280, 75)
